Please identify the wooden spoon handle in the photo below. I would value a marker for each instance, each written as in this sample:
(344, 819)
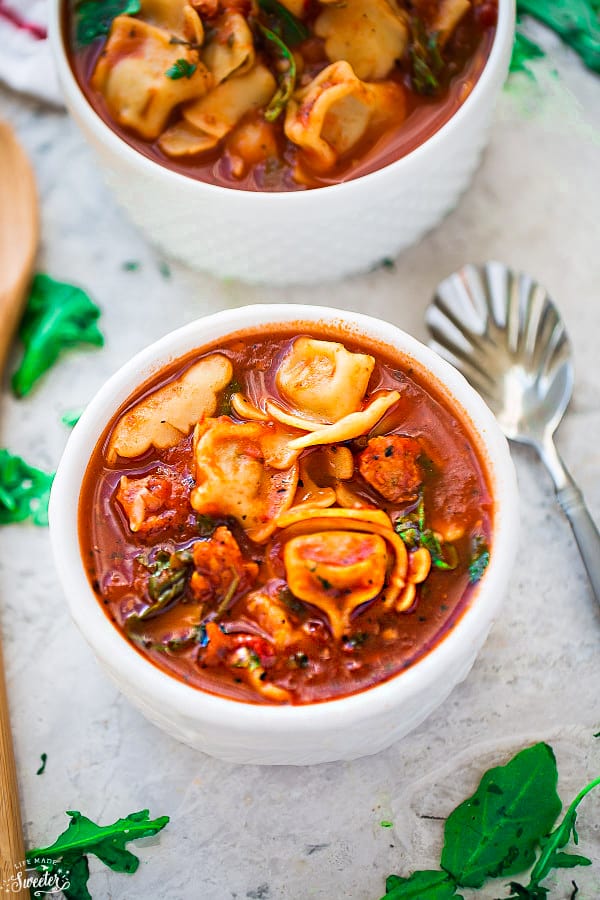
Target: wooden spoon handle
(19, 227)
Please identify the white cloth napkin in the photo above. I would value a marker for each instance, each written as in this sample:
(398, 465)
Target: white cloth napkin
(26, 63)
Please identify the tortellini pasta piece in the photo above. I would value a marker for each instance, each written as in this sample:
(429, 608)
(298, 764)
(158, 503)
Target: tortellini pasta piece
(221, 109)
(176, 16)
(448, 16)
(322, 379)
(130, 74)
(231, 47)
(235, 476)
(182, 139)
(328, 117)
(165, 416)
(336, 571)
(369, 34)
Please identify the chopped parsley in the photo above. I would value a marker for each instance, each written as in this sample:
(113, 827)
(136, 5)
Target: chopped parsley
(181, 68)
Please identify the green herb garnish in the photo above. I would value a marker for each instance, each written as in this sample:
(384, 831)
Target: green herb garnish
(44, 760)
(426, 59)
(415, 534)
(181, 68)
(499, 832)
(24, 491)
(67, 857)
(287, 78)
(94, 17)
(284, 23)
(479, 560)
(57, 316)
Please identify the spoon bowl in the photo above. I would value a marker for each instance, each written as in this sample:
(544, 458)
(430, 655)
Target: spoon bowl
(502, 331)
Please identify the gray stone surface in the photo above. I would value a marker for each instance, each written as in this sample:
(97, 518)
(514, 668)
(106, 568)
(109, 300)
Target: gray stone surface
(298, 834)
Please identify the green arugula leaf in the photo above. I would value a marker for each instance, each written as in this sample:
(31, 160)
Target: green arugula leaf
(24, 491)
(71, 417)
(70, 850)
(181, 68)
(287, 77)
(421, 886)
(495, 832)
(551, 856)
(94, 17)
(57, 316)
(284, 23)
(234, 387)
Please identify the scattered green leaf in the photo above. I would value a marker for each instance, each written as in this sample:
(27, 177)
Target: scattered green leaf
(577, 22)
(287, 77)
(68, 855)
(500, 831)
(57, 316)
(495, 832)
(284, 23)
(181, 68)
(71, 417)
(42, 768)
(94, 17)
(421, 886)
(523, 53)
(24, 491)
(385, 823)
(165, 269)
(131, 265)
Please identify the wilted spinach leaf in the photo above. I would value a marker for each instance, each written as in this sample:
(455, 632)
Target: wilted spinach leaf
(421, 886)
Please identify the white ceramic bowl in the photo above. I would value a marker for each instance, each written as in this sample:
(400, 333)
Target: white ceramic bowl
(299, 236)
(345, 728)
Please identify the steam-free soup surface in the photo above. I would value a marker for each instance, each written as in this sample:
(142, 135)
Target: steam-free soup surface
(286, 518)
(268, 95)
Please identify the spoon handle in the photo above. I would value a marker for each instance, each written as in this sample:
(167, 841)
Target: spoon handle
(571, 501)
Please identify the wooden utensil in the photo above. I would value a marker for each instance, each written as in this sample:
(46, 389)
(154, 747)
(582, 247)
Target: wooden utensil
(19, 230)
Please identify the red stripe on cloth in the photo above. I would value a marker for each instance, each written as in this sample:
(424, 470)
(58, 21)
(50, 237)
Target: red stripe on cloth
(36, 31)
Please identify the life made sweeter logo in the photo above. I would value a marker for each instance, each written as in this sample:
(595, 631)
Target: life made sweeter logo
(37, 875)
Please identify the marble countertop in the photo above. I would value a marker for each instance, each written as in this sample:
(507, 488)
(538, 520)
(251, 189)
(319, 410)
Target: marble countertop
(303, 833)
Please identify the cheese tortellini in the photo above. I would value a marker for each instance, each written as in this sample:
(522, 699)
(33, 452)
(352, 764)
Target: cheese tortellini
(167, 414)
(322, 379)
(131, 76)
(333, 113)
(370, 35)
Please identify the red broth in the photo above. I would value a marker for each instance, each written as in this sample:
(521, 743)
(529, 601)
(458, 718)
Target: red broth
(286, 167)
(207, 628)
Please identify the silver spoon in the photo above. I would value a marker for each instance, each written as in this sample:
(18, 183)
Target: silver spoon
(504, 333)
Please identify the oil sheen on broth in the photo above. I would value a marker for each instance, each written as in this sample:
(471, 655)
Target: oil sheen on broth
(286, 517)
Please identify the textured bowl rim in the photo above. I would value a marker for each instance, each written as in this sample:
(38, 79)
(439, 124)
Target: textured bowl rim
(494, 68)
(461, 642)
